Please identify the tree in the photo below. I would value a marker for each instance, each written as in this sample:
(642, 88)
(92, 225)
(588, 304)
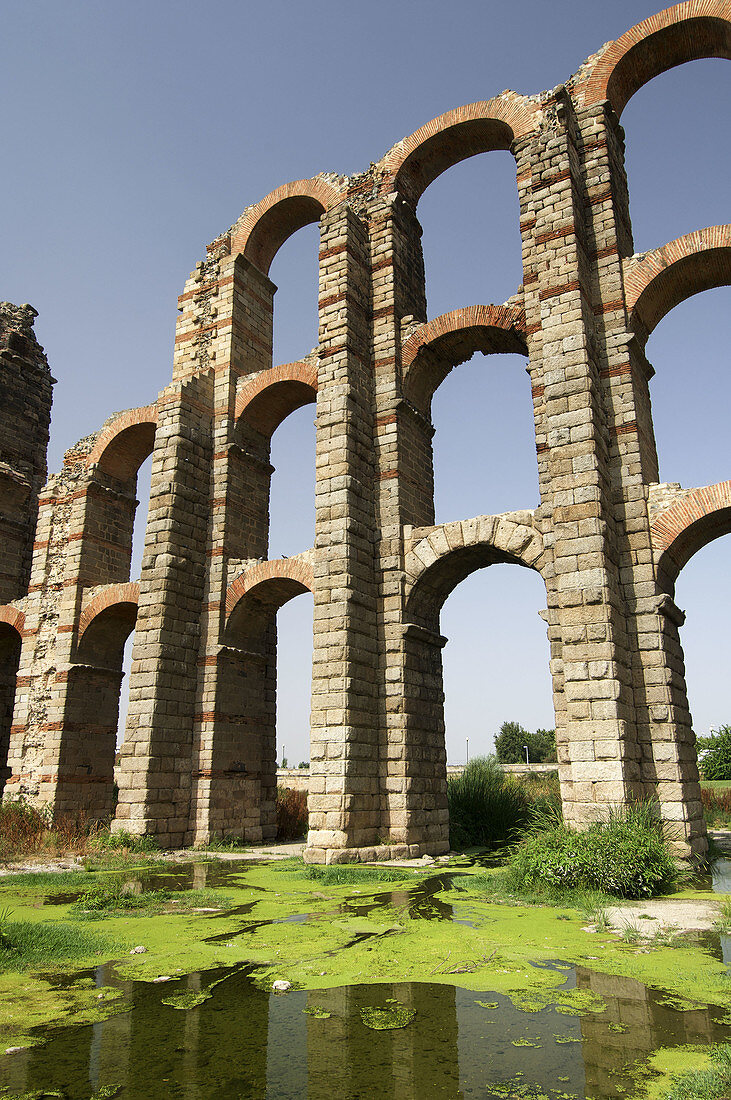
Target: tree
(509, 743)
(716, 762)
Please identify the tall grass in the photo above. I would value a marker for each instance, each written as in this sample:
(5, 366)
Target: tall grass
(291, 813)
(716, 807)
(713, 1083)
(26, 831)
(486, 807)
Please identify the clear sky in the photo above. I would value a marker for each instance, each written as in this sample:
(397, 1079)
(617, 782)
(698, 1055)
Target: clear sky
(135, 133)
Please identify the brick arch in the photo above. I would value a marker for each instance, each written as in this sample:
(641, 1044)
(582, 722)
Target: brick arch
(115, 595)
(687, 525)
(452, 551)
(432, 350)
(270, 584)
(659, 280)
(265, 227)
(685, 32)
(416, 161)
(123, 445)
(269, 397)
(13, 618)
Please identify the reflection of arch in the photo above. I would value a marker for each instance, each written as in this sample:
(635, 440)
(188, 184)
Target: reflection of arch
(265, 227)
(263, 589)
(123, 445)
(412, 164)
(688, 524)
(272, 395)
(685, 32)
(450, 552)
(659, 280)
(432, 350)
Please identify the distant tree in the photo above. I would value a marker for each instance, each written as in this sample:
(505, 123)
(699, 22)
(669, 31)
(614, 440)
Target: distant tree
(303, 764)
(716, 761)
(509, 743)
(284, 763)
(544, 747)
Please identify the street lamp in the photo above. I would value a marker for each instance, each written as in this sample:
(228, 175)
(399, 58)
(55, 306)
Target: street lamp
(527, 758)
(468, 749)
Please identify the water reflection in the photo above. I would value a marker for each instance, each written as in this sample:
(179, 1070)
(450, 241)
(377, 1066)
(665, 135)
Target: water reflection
(242, 1042)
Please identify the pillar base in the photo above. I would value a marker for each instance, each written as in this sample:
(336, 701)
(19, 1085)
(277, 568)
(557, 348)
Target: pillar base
(379, 853)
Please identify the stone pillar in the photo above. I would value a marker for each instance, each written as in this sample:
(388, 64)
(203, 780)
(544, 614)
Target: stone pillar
(664, 732)
(234, 787)
(157, 756)
(598, 750)
(344, 797)
(413, 753)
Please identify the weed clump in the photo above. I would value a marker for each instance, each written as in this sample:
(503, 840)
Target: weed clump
(486, 807)
(33, 945)
(626, 856)
(291, 813)
(713, 1083)
(347, 874)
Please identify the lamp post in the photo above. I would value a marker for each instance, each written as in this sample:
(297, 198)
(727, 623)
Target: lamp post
(468, 749)
(527, 758)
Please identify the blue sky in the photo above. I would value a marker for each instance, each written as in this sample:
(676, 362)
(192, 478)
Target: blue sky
(133, 134)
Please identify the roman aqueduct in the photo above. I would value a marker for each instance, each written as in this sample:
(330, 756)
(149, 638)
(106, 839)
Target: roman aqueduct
(608, 540)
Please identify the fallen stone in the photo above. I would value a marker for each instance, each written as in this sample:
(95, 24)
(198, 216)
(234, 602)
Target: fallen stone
(281, 986)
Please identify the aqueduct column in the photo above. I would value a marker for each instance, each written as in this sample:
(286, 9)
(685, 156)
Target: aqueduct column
(156, 763)
(344, 786)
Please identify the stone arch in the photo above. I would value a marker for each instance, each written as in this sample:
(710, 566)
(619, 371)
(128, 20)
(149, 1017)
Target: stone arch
(91, 705)
(431, 351)
(117, 605)
(264, 227)
(416, 161)
(686, 526)
(686, 32)
(452, 551)
(12, 622)
(123, 444)
(106, 508)
(265, 400)
(262, 589)
(657, 281)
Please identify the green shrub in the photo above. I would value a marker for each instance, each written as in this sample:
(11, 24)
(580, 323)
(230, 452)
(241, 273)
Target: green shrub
(716, 762)
(486, 807)
(627, 857)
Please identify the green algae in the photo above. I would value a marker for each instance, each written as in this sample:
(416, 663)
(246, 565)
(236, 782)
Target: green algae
(387, 1017)
(319, 934)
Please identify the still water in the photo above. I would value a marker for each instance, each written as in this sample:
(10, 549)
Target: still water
(242, 1043)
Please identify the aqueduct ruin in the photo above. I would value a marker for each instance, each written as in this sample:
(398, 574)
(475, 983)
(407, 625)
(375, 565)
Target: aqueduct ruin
(608, 540)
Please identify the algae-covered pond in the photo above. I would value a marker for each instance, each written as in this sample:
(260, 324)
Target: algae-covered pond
(416, 987)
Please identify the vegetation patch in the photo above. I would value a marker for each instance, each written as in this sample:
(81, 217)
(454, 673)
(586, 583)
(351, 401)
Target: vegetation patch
(115, 897)
(291, 809)
(627, 857)
(349, 874)
(39, 945)
(486, 806)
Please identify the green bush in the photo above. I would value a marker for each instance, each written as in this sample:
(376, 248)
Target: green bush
(291, 813)
(716, 762)
(627, 857)
(486, 807)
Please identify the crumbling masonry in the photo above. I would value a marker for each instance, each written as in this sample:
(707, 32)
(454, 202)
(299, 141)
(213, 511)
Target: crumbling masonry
(198, 759)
